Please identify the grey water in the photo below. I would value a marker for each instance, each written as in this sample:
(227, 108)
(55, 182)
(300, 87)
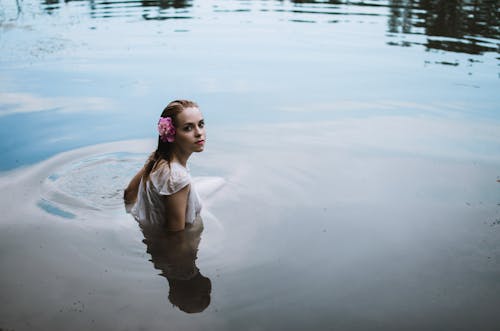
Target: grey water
(351, 179)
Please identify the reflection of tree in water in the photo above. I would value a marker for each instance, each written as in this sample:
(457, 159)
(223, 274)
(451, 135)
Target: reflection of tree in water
(174, 254)
(461, 19)
(400, 16)
(109, 7)
(165, 4)
(331, 2)
(464, 20)
(458, 18)
(50, 5)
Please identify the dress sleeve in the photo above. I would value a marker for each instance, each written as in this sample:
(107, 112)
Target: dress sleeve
(169, 179)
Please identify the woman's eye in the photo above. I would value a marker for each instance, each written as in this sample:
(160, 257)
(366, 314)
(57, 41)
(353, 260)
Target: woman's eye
(202, 124)
(188, 128)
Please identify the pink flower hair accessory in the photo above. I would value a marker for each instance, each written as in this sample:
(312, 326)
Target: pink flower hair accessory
(166, 129)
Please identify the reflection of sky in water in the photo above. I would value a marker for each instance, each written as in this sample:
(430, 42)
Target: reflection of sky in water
(243, 61)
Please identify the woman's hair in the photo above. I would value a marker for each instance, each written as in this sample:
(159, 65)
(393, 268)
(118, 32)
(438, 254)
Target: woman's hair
(164, 149)
(191, 295)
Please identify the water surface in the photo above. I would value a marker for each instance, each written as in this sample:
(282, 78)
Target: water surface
(350, 180)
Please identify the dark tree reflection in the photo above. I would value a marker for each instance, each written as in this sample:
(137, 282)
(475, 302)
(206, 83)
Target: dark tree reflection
(465, 24)
(117, 8)
(331, 2)
(50, 5)
(458, 18)
(400, 16)
(466, 21)
(165, 4)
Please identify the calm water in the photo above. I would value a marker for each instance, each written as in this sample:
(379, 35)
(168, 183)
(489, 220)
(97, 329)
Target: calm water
(350, 182)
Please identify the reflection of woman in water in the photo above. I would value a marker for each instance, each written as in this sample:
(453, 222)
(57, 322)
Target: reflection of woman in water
(162, 192)
(174, 253)
(162, 198)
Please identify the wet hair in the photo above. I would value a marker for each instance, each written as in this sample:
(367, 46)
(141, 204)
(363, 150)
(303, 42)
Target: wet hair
(164, 149)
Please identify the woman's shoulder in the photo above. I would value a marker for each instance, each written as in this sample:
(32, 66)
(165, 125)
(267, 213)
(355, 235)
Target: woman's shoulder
(165, 168)
(169, 177)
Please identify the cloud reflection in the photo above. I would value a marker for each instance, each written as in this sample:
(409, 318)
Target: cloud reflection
(352, 105)
(18, 102)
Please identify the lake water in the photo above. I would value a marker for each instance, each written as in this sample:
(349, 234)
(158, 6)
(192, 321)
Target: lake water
(351, 179)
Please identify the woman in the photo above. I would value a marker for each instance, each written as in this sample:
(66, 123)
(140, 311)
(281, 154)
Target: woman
(161, 191)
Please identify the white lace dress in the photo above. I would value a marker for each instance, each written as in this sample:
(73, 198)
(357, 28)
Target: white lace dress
(149, 209)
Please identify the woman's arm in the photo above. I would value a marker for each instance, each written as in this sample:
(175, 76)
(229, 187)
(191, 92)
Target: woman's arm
(176, 205)
(130, 194)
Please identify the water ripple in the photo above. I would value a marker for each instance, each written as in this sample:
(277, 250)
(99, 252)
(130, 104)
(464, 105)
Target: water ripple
(92, 183)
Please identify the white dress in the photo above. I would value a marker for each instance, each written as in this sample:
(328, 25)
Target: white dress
(150, 209)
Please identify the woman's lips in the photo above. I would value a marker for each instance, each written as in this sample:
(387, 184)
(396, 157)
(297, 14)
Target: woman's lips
(200, 142)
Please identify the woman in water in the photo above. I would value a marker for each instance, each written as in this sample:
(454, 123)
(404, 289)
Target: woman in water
(163, 198)
(161, 192)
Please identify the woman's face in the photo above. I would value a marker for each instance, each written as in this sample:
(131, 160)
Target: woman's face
(190, 130)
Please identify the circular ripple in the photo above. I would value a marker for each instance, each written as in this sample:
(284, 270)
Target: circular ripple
(92, 183)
